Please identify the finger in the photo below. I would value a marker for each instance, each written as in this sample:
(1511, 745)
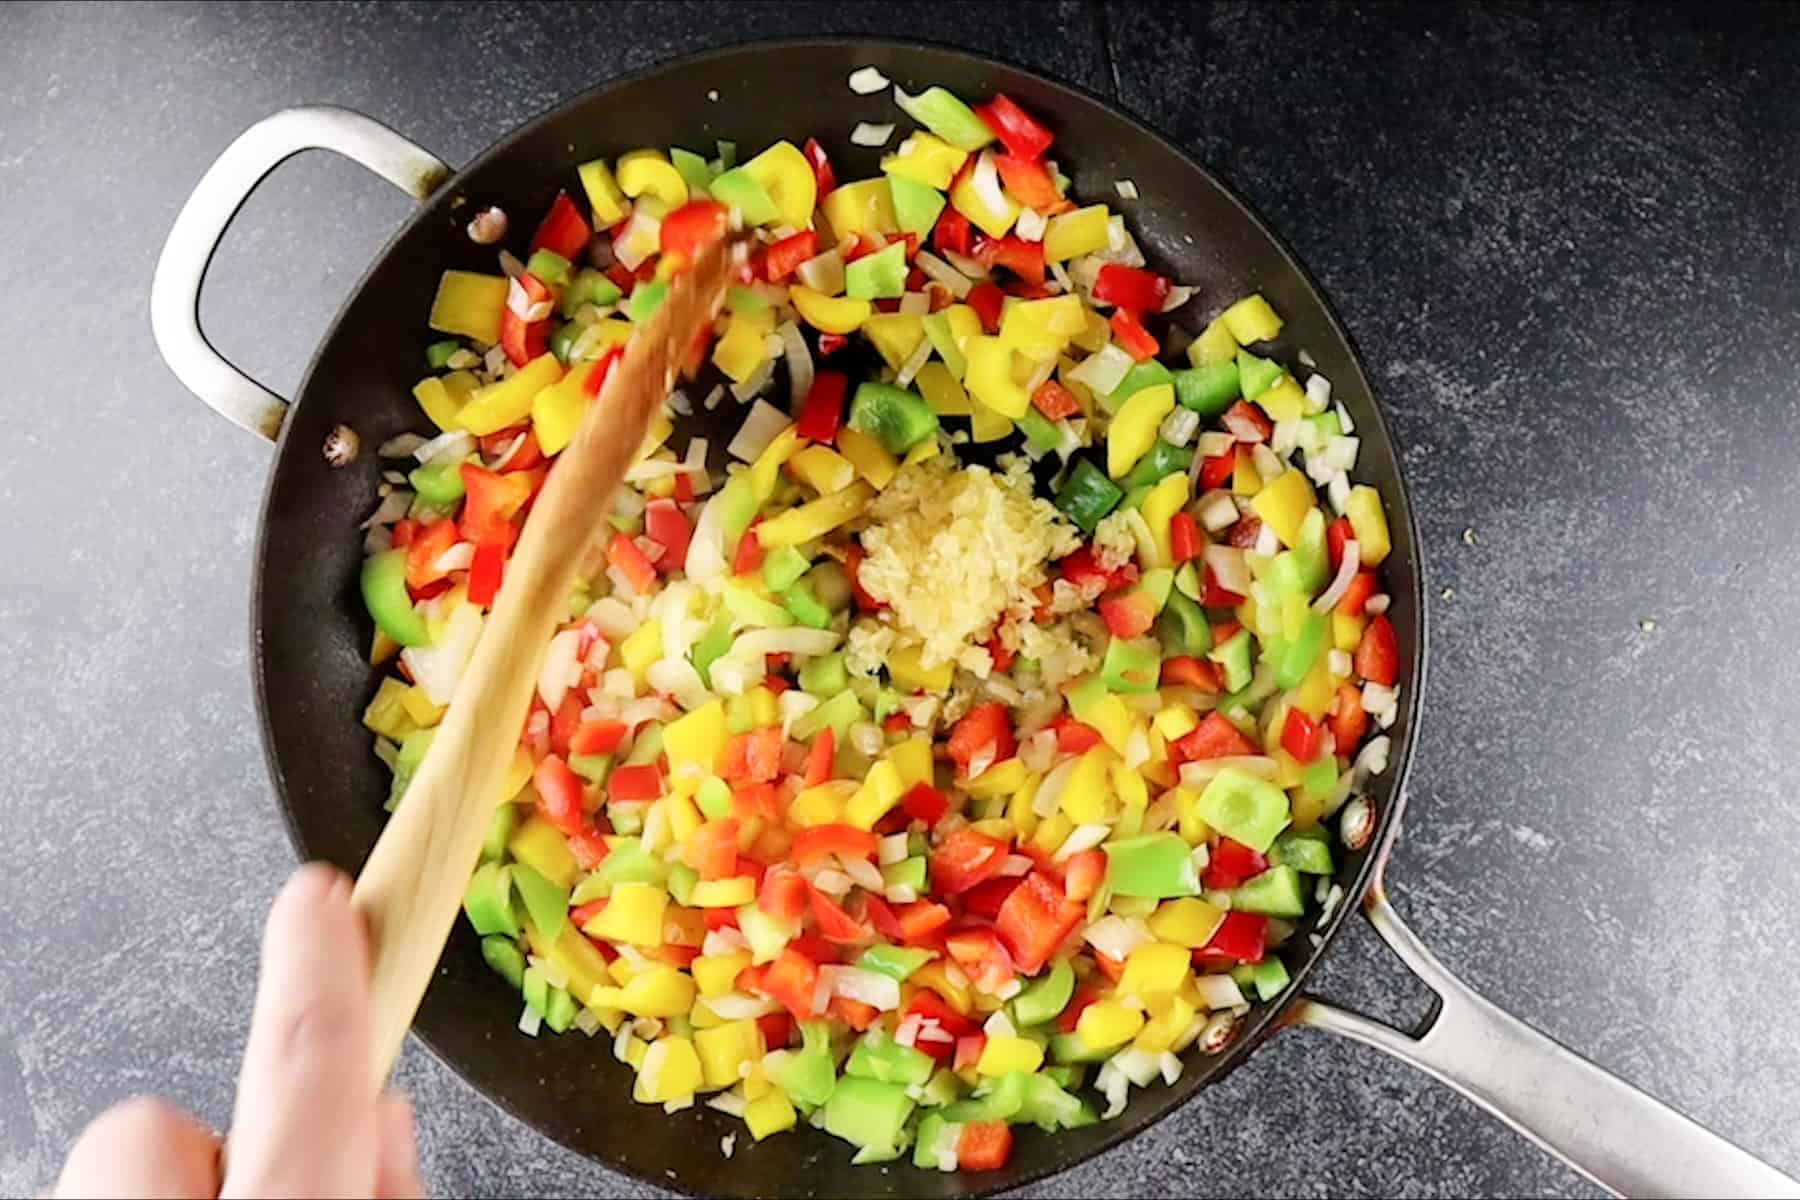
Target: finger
(305, 1122)
(142, 1148)
(397, 1158)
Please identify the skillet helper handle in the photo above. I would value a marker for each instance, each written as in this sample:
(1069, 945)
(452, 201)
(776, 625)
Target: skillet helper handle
(175, 290)
(1623, 1139)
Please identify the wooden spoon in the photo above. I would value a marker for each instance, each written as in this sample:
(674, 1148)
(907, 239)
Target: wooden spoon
(412, 885)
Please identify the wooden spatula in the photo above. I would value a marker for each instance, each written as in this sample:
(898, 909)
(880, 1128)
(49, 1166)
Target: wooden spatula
(412, 885)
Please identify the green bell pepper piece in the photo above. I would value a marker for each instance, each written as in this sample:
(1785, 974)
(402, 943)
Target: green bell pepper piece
(1142, 375)
(1318, 781)
(878, 1056)
(693, 171)
(439, 482)
(488, 900)
(499, 831)
(943, 1088)
(547, 266)
(1164, 459)
(503, 955)
(406, 764)
(589, 287)
(908, 872)
(1233, 657)
(727, 154)
(943, 340)
(1208, 390)
(1276, 892)
(562, 341)
(831, 584)
(1256, 375)
(804, 607)
(559, 1014)
(1153, 865)
(1088, 495)
(1245, 808)
(877, 276)
(628, 862)
(647, 747)
(948, 117)
(808, 1074)
(935, 1135)
(916, 206)
(592, 767)
(1308, 853)
(714, 798)
(545, 902)
(1051, 1108)
(1001, 1101)
(646, 298)
(1069, 1049)
(1326, 425)
(1268, 977)
(437, 355)
(745, 301)
(838, 713)
(895, 416)
(1310, 554)
(1045, 998)
(1067, 1076)
(682, 879)
(1187, 582)
(824, 676)
(783, 566)
(1299, 655)
(537, 990)
(734, 188)
(712, 647)
(887, 702)
(896, 962)
(1131, 664)
(1182, 625)
(1039, 430)
(746, 606)
(384, 594)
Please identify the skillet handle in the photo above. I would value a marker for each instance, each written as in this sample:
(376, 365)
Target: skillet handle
(1621, 1138)
(175, 291)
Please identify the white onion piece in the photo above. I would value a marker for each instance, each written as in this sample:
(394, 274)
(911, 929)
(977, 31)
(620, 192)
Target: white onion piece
(1049, 794)
(1268, 465)
(1126, 188)
(1338, 662)
(1016, 865)
(1178, 296)
(1218, 511)
(890, 849)
(736, 1006)
(1340, 583)
(455, 443)
(1215, 442)
(1338, 491)
(530, 1022)
(866, 81)
(1082, 837)
(761, 426)
(967, 266)
(866, 134)
(1139, 1066)
(832, 882)
(437, 667)
(914, 363)
(393, 506)
(825, 273)
(754, 384)
(869, 987)
(799, 362)
(796, 640)
(1103, 370)
(986, 182)
(1030, 225)
(1340, 454)
(1267, 544)
(1318, 393)
(1117, 1090)
(1195, 774)
(1116, 937)
(1229, 566)
(914, 304)
(400, 445)
(456, 558)
(1218, 991)
(721, 941)
(942, 272)
(678, 678)
(999, 1025)
(1372, 759)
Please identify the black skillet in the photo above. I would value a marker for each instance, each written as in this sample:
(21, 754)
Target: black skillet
(310, 630)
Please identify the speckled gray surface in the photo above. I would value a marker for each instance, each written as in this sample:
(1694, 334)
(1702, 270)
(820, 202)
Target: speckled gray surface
(1565, 240)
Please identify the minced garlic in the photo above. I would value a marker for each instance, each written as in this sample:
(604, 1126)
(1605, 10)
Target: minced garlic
(952, 549)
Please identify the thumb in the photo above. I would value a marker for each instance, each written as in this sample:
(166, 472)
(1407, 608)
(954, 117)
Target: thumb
(306, 1121)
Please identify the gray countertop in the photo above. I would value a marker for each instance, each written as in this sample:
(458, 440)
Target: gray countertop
(1565, 241)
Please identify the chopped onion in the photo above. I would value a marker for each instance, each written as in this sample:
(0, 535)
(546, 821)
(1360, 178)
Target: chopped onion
(1116, 937)
(1049, 794)
(1218, 511)
(1218, 991)
(386, 751)
(754, 384)
(832, 883)
(1102, 372)
(1340, 454)
(530, 1022)
(999, 1025)
(507, 455)
(587, 1022)
(1338, 490)
(901, 893)
(891, 849)
(1345, 424)
(496, 363)
(393, 506)
(561, 668)
(863, 873)
(1340, 583)
(1178, 296)
(713, 397)
(866, 81)
(1126, 188)
(866, 134)
(760, 428)
(796, 640)
(1030, 225)
(869, 987)
(1117, 1090)
(1016, 865)
(1288, 434)
(1170, 1066)
(439, 666)
(1229, 566)
(1180, 426)
(914, 304)
(1268, 465)
(722, 941)
(1082, 837)
(732, 1105)
(1377, 604)
(968, 266)
(1196, 773)
(942, 272)
(622, 1041)
(737, 1006)
(1372, 759)
(1318, 393)
(1139, 1066)
(1215, 442)
(825, 272)
(401, 445)
(914, 363)
(678, 678)
(799, 362)
(1338, 661)
(986, 182)
(1267, 544)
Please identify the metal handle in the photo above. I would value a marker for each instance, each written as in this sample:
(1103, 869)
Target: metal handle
(175, 291)
(1621, 1138)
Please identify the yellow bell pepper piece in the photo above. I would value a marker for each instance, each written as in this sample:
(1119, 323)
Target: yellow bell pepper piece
(925, 158)
(909, 676)
(881, 789)
(822, 804)
(1133, 430)
(1154, 967)
(614, 331)
(864, 206)
(634, 914)
(964, 322)
(1347, 631)
(670, 1071)
(419, 707)
(1073, 234)
(765, 472)
(1187, 922)
(822, 469)
(1004, 1054)
(942, 391)
(815, 519)
(1167, 498)
(1369, 520)
(1093, 338)
(1169, 1018)
(1176, 720)
(1108, 1023)
(435, 398)
(771, 1113)
(894, 335)
(829, 314)
(542, 847)
(1043, 323)
(1019, 813)
(682, 814)
(1252, 320)
(649, 172)
(756, 1083)
(1052, 832)
(702, 1016)
(578, 959)
(698, 738)
(993, 222)
(1193, 830)
(660, 991)
(603, 193)
(912, 760)
(1214, 345)
(1283, 400)
(716, 974)
(556, 411)
(469, 304)
(387, 713)
(935, 975)
(1111, 718)
(1283, 504)
(1001, 779)
(788, 178)
(1316, 692)
(870, 458)
(986, 425)
(1134, 795)
(741, 350)
(725, 1049)
(1085, 798)
(1245, 481)
(508, 402)
(640, 650)
(765, 709)
(724, 893)
(989, 378)
(1306, 809)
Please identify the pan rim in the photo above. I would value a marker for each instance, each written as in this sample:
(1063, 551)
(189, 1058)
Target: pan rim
(1263, 1021)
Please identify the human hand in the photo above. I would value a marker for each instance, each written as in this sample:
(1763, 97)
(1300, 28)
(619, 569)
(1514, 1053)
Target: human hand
(307, 1120)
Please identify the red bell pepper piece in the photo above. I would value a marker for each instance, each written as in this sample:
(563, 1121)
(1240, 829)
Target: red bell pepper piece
(777, 1029)
(1002, 654)
(1214, 737)
(1377, 656)
(427, 546)
(597, 737)
(589, 847)
(920, 919)
(1082, 874)
(1248, 423)
(1356, 596)
(821, 757)
(925, 803)
(1232, 863)
(984, 1146)
(563, 230)
(756, 800)
(1348, 720)
(1083, 568)
(1073, 737)
(524, 458)
(1214, 594)
(854, 1013)
(521, 339)
(581, 914)
(1085, 995)
(1127, 614)
(785, 256)
(824, 178)
(1035, 919)
(1024, 259)
(403, 532)
(692, 226)
(1224, 631)
(853, 561)
(669, 527)
(624, 554)
(1241, 937)
(816, 841)
(1029, 182)
(595, 379)
(861, 246)
(1244, 532)
(928, 1005)
(719, 918)
(1186, 671)
(1337, 534)
(1022, 134)
(559, 794)
(1184, 537)
(953, 232)
(711, 849)
(566, 720)
(983, 726)
(1131, 288)
(987, 300)
(881, 917)
(831, 343)
(790, 981)
(622, 277)
(816, 948)
(1055, 401)
(968, 1051)
(639, 782)
(783, 894)
(491, 502)
(749, 556)
(986, 899)
(1132, 337)
(1301, 736)
(1216, 472)
(823, 411)
(835, 925)
(964, 859)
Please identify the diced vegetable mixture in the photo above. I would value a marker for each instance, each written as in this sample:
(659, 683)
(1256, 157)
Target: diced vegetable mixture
(968, 747)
